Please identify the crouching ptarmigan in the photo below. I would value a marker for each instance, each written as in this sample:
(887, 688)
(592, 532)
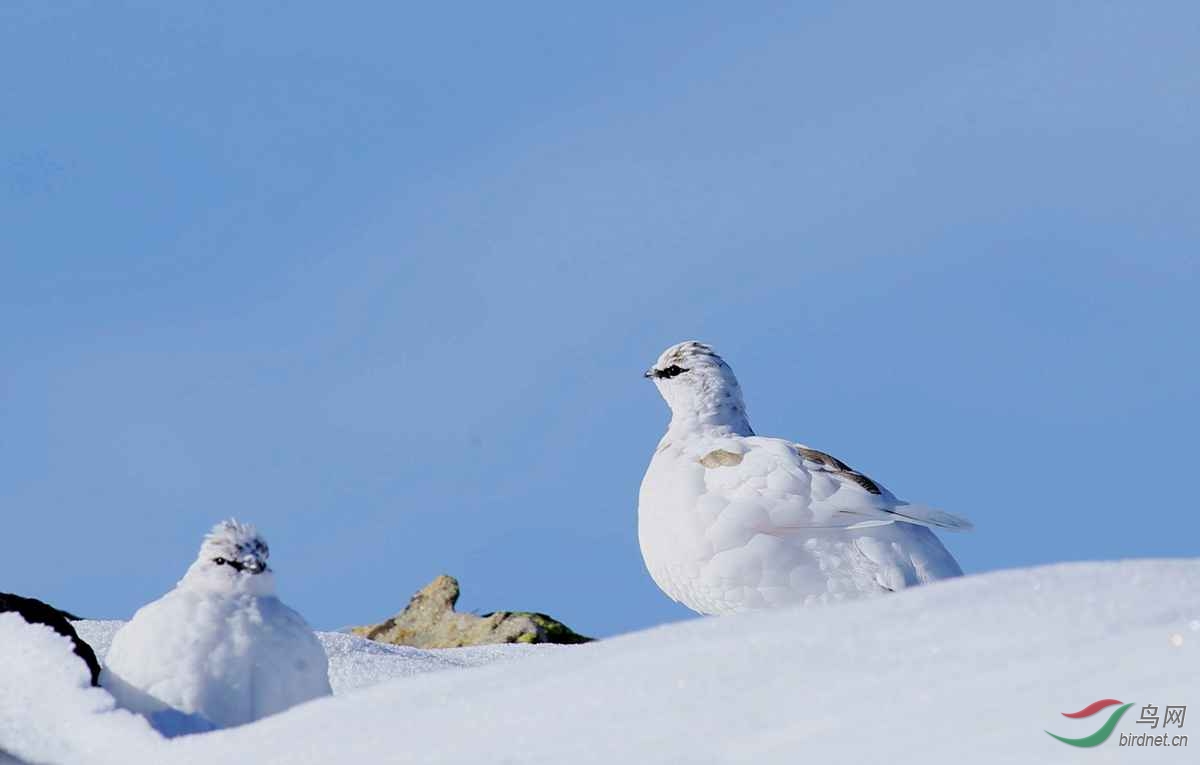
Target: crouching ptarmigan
(220, 646)
(729, 521)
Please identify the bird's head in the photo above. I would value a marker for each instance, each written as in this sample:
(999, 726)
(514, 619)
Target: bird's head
(233, 556)
(699, 387)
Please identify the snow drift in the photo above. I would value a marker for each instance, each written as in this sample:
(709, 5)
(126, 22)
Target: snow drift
(973, 669)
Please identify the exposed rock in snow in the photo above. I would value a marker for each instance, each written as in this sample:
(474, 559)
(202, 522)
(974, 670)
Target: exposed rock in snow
(35, 611)
(49, 710)
(430, 621)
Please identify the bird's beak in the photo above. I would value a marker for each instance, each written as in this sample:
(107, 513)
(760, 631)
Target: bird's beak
(649, 373)
(254, 565)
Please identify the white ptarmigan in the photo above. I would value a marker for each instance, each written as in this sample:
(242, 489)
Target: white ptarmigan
(220, 645)
(729, 521)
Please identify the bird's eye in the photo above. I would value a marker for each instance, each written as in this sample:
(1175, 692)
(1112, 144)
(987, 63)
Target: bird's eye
(219, 561)
(669, 372)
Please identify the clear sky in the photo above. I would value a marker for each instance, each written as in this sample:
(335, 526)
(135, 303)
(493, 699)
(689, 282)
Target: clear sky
(383, 278)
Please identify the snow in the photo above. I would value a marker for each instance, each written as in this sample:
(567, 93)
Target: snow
(48, 710)
(355, 662)
(971, 669)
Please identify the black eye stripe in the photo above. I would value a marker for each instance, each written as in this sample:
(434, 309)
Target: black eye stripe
(236, 566)
(672, 371)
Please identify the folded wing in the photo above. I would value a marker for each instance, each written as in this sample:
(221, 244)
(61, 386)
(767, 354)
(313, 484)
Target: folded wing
(780, 486)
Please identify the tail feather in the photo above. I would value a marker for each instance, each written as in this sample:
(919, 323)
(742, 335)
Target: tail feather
(928, 516)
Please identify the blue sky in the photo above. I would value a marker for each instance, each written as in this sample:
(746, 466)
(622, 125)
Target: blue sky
(382, 279)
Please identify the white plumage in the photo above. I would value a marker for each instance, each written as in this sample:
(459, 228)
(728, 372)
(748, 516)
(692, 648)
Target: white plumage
(220, 646)
(729, 521)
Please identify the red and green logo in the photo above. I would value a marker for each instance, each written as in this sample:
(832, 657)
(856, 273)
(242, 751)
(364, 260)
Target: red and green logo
(1105, 730)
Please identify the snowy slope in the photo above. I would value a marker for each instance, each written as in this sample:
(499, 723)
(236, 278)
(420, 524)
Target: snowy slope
(970, 670)
(48, 710)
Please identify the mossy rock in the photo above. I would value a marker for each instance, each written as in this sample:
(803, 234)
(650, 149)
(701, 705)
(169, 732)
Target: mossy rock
(430, 621)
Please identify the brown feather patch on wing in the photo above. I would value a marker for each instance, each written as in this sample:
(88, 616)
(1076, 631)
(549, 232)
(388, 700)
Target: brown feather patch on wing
(720, 458)
(832, 464)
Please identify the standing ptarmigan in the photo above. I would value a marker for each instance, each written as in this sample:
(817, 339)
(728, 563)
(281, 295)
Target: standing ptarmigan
(729, 521)
(220, 645)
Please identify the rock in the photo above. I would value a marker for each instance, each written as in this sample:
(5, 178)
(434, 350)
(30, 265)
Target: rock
(35, 611)
(430, 621)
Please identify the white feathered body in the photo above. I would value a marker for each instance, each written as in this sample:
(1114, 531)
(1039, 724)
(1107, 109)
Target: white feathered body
(231, 659)
(220, 646)
(767, 532)
(729, 521)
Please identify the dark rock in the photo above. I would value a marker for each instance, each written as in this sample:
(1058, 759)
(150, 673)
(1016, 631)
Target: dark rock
(35, 611)
(430, 621)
